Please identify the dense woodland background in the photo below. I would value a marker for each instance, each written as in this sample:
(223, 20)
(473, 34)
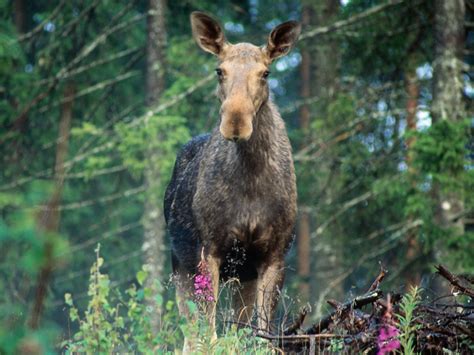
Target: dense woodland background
(97, 96)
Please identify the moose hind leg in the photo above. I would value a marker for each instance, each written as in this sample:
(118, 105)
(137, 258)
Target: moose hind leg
(243, 302)
(270, 281)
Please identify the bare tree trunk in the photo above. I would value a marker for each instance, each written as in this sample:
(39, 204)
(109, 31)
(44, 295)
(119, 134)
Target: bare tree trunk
(19, 13)
(447, 94)
(325, 70)
(50, 215)
(153, 219)
(304, 228)
(413, 274)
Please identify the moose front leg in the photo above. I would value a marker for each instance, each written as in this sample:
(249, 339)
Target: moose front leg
(184, 291)
(213, 266)
(270, 281)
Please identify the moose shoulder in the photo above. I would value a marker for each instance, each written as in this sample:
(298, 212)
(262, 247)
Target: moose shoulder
(232, 196)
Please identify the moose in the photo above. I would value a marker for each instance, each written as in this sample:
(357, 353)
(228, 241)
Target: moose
(232, 196)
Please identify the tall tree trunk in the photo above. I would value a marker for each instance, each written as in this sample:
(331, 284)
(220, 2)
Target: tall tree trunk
(153, 219)
(304, 228)
(50, 215)
(447, 94)
(412, 273)
(325, 77)
(20, 124)
(19, 13)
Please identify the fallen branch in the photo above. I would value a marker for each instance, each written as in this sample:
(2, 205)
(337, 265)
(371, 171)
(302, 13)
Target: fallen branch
(297, 323)
(356, 303)
(440, 328)
(454, 280)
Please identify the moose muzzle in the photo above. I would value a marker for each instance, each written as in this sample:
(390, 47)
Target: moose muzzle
(237, 119)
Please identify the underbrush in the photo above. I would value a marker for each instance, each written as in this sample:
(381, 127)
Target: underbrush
(375, 322)
(115, 322)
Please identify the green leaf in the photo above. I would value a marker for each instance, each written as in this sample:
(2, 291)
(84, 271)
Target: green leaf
(68, 299)
(141, 276)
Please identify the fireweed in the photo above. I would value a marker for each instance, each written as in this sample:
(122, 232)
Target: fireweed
(387, 340)
(202, 283)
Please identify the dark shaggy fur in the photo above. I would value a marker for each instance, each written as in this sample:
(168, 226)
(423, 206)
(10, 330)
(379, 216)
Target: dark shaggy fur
(237, 200)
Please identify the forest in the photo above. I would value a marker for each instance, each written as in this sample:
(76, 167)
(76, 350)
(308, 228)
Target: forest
(98, 96)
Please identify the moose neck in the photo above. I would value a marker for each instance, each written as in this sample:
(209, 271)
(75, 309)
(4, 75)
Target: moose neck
(254, 153)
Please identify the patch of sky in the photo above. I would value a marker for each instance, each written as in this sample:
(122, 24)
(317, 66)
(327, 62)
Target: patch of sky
(271, 24)
(390, 121)
(344, 2)
(423, 119)
(388, 133)
(290, 61)
(273, 83)
(279, 90)
(28, 68)
(402, 125)
(382, 105)
(426, 185)
(253, 10)
(468, 88)
(369, 142)
(234, 27)
(424, 71)
(49, 27)
(402, 166)
(360, 111)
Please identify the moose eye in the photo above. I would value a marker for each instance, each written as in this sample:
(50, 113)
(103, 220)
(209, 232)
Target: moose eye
(219, 72)
(266, 73)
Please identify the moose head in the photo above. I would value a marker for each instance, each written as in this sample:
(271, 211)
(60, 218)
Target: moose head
(242, 71)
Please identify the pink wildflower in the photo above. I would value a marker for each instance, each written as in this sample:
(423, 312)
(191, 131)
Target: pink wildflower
(387, 340)
(203, 283)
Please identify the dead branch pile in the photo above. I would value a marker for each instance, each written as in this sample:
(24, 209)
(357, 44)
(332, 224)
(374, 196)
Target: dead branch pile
(441, 325)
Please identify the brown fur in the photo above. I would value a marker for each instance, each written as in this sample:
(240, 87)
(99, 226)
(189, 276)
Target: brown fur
(233, 193)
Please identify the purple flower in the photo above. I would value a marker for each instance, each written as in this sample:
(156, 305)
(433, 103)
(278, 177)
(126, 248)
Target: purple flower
(203, 284)
(387, 340)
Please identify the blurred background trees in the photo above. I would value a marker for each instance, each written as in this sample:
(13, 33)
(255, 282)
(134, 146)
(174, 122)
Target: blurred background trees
(98, 96)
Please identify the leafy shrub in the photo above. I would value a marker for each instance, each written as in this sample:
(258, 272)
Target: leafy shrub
(123, 323)
(407, 320)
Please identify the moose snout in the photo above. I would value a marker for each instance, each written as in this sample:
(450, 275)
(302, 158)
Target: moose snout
(236, 125)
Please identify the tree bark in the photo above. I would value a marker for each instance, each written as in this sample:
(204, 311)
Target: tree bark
(304, 228)
(153, 219)
(447, 94)
(19, 13)
(413, 273)
(325, 72)
(50, 215)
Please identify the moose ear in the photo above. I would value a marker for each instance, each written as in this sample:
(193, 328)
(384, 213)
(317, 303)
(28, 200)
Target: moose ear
(207, 32)
(282, 39)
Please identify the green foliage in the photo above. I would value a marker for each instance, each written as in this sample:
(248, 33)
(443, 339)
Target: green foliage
(111, 324)
(337, 345)
(407, 320)
(23, 246)
(100, 327)
(114, 323)
(441, 157)
(162, 134)
(441, 152)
